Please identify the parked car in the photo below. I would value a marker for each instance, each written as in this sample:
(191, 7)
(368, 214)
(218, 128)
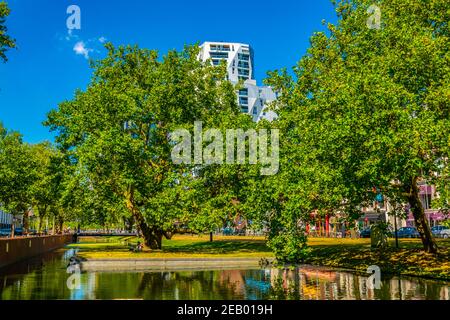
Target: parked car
(17, 231)
(5, 232)
(437, 230)
(227, 231)
(445, 233)
(365, 233)
(408, 232)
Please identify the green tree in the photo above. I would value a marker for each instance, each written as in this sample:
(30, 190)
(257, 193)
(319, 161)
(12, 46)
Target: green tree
(368, 110)
(6, 42)
(17, 173)
(119, 128)
(43, 192)
(219, 192)
(52, 189)
(280, 205)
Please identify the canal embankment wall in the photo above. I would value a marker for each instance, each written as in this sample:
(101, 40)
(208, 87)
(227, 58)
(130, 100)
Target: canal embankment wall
(173, 264)
(16, 249)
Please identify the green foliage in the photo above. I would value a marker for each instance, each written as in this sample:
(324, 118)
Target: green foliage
(379, 235)
(16, 172)
(366, 112)
(221, 192)
(368, 108)
(289, 246)
(43, 189)
(6, 42)
(32, 177)
(118, 131)
(52, 187)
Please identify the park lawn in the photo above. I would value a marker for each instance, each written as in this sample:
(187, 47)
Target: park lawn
(356, 254)
(181, 246)
(346, 253)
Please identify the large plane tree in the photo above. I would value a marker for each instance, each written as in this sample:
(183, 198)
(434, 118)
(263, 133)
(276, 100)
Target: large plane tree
(368, 108)
(119, 130)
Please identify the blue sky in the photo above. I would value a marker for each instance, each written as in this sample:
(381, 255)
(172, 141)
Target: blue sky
(49, 66)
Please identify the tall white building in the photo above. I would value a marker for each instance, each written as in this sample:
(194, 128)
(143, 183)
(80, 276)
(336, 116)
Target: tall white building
(253, 99)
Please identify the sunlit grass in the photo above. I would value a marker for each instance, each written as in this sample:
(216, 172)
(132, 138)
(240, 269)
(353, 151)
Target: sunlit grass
(408, 259)
(181, 246)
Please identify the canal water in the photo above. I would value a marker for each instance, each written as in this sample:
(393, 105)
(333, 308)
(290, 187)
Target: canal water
(45, 277)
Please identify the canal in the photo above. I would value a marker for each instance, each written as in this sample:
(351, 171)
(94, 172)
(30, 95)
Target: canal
(45, 277)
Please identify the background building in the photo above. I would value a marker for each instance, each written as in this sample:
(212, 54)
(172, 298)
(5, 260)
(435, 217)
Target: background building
(6, 220)
(239, 59)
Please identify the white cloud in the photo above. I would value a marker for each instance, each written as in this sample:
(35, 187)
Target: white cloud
(81, 49)
(70, 35)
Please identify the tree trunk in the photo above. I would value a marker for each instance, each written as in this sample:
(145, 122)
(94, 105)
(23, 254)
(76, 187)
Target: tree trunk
(420, 220)
(130, 224)
(40, 225)
(152, 236)
(42, 213)
(26, 222)
(13, 229)
(60, 225)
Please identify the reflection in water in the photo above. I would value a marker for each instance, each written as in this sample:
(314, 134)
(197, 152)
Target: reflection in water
(45, 278)
(309, 283)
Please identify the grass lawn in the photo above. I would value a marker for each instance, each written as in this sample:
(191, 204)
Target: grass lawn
(181, 246)
(357, 254)
(344, 253)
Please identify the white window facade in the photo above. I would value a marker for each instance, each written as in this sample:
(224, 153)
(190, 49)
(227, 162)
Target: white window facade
(238, 57)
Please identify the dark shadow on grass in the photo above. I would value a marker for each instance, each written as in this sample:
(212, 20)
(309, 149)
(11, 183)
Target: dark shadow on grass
(219, 247)
(203, 247)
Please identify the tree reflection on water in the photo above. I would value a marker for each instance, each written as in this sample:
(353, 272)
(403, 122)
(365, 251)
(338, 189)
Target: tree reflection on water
(45, 278)
(312, 283)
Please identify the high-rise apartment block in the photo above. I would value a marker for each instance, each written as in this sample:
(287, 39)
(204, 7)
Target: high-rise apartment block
(252, 99)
